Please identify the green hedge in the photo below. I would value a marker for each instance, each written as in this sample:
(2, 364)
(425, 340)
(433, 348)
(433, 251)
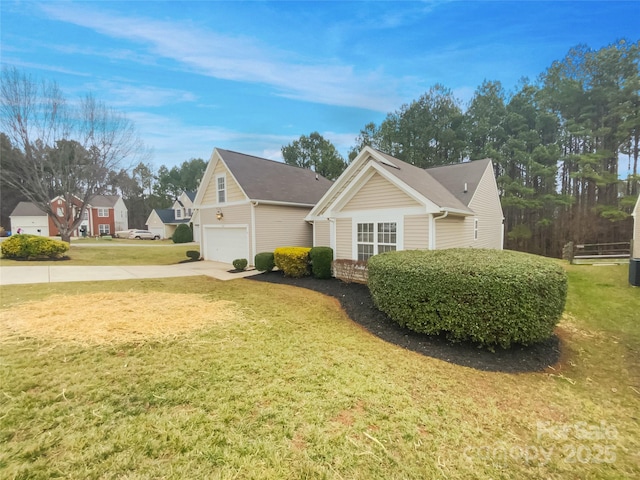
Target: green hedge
(32, 247)
(293, 261)
(321, 258)
(240, 263)
(183, 234)
(193, 254)
(264, 262)
(490, 297)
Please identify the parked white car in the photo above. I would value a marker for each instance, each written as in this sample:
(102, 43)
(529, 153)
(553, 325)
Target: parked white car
(143, 235)
(123, 233)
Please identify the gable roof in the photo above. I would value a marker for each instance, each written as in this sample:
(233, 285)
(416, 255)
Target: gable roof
(269, 180)
(455, 177)
(191, 195)
(442, 187)
(27, 209)
(168, 215)
(104, 201)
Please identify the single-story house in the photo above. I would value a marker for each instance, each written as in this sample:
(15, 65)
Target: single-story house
(380, 203)
(635, 242)
(163, 222)
(247, 205)
(104, 215)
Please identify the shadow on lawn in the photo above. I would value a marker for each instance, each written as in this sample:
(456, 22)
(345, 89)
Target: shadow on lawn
(357, 303)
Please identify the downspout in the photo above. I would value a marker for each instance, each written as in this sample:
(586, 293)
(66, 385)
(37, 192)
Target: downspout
(254, 204)
(332, 235)
(432, 237)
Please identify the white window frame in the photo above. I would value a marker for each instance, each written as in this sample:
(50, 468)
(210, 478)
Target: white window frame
(377, 221)
(104, 229)
(221, 191)
(103, 212)
(60, 212)
(178, 213)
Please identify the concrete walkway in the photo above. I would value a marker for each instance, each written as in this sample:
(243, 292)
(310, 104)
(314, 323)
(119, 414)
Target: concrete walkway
(48, 274)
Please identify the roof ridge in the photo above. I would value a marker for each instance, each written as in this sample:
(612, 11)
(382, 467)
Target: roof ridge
(268, 160)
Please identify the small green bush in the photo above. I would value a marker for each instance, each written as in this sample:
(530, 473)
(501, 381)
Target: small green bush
(321, 258)
(193, 254)
(293, 261)
(490, 297)
(240, 263)
(32, 247)
(183, 234)
(264, 262)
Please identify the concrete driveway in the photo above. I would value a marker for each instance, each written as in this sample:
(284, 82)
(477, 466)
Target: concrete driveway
(16, 275)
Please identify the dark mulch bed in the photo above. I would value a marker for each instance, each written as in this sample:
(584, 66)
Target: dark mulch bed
(357, 302)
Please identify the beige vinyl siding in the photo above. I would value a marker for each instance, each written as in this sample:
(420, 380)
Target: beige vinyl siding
(486, 205)
(454, 232)
(379, 193)
(322, 233)
(416, 232)
(281, 226)
(234, 193)
(337, 193)
(344, 248)
(154, 220)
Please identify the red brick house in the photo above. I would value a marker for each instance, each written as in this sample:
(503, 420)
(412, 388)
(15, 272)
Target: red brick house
(104, 215)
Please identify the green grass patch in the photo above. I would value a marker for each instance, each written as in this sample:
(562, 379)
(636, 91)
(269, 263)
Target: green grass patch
(156, 253)
(294, 389)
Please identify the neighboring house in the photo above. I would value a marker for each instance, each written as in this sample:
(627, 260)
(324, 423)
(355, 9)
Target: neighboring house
(30, 219)
(380, 203)
(163, 222)
(104, 215)
(247, 205)
(635, 243)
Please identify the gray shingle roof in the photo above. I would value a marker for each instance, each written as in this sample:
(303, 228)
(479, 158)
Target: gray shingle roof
(269, 180)
(168, 215)
(108, 201)
(426, 183)
(454, 177)
(27, 209)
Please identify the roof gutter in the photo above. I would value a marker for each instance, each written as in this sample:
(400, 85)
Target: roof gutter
(286, 204)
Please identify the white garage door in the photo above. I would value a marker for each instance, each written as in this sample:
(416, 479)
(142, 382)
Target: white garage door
(225, 244)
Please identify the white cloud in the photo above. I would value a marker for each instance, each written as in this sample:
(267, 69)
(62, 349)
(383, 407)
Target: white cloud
(242, 59)
(123, 95)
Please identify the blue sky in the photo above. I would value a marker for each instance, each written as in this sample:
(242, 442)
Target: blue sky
(254, 76)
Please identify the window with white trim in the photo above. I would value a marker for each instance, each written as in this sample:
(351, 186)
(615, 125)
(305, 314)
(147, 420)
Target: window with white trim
(85, 215)
(178, 213)
(103, 212)
(374, 238)
(60, 212)
(221, 184)
(366, 236)
(475, 228)
(103, 229)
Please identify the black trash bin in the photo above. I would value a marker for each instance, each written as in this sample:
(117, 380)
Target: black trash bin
(634, 272)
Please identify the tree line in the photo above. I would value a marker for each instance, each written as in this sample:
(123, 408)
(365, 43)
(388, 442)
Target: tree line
(559, 145)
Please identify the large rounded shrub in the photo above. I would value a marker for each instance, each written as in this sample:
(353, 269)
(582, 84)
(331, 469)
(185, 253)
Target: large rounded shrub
(490, 297)
(32, 247)
(183, 234)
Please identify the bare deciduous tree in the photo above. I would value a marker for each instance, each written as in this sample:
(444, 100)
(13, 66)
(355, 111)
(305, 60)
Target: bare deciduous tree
(67, 151)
